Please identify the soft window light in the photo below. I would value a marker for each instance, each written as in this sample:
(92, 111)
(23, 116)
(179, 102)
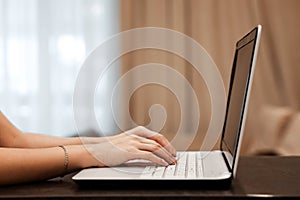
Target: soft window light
(71, 49)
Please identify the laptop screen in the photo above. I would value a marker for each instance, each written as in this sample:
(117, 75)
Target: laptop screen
(239, 83)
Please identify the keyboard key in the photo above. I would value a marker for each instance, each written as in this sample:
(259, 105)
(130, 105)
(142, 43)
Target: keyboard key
(159, 172)
(148, 171)
(199, 161)
(169, 171)
(181, 165)
(191, 166)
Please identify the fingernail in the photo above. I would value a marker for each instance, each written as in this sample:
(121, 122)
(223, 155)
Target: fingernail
(174, 162)
(174, 159)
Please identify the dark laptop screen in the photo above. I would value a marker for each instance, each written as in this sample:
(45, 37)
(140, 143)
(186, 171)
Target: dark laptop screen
(237, 94)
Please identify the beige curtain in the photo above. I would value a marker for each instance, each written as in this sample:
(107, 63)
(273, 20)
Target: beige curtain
(272, 120)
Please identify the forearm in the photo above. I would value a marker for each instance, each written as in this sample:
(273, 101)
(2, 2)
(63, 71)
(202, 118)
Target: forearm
(23, 165)
(29, 140)
(10, 136)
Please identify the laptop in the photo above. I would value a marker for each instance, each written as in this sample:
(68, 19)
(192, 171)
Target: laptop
(199, 166)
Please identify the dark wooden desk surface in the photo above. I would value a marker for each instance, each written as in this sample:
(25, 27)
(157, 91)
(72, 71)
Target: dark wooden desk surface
(258, 177)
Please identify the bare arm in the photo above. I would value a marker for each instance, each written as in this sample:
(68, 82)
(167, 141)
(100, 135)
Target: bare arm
(24, 165)
(20, 165)
(30, 157)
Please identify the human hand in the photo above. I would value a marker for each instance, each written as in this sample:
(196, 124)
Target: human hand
(137, 143)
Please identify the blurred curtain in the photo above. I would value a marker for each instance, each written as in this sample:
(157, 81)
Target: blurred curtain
(42, 47)
(217, 25)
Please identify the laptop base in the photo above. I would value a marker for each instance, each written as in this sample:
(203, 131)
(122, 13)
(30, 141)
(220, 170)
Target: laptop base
(155, 184)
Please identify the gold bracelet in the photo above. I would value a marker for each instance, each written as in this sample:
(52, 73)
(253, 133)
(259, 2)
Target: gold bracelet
(66, 159)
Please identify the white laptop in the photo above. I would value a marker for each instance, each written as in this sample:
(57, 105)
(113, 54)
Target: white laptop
(214, 166)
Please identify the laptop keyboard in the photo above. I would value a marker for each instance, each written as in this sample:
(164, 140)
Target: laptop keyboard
(189, 165)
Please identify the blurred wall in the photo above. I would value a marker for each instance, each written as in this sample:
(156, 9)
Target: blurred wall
(273, 118)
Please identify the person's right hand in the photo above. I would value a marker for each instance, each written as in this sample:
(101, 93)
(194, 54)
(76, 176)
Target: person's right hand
(137, 143)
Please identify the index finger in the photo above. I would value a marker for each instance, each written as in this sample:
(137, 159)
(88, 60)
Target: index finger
(164, 142)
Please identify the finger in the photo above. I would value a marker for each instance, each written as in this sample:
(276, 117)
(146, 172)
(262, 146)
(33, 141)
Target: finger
(164, 142)
(151, 157)
(156, 145)
(144, 132)
(152, 146)
(158, 150)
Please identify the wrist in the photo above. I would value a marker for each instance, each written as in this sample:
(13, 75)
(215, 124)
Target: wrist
(80, 157)
(77, 157)
(93, 140)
